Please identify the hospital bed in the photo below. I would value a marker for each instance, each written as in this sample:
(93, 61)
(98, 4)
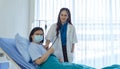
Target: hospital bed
(9, 47)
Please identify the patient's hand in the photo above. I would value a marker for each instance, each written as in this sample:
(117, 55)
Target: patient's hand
(51, 50)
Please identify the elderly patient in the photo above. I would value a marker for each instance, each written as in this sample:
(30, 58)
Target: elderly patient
(44, 59)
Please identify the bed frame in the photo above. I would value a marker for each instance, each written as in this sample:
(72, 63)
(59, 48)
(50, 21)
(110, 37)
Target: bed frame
(12, 63)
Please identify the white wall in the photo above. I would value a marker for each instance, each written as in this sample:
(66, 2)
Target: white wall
(16, 16)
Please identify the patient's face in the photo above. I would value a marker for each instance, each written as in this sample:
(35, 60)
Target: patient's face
(38, 32)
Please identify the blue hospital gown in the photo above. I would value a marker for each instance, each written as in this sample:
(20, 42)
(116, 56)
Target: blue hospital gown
(36, 51)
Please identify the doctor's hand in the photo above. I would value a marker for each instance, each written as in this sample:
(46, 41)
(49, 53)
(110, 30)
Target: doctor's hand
(60, 59)
(46, 47)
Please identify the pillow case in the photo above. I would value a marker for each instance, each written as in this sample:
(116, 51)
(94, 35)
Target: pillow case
(22, 45)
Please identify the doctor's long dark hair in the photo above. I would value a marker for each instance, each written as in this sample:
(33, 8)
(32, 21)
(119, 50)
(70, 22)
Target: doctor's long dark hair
(59, 21)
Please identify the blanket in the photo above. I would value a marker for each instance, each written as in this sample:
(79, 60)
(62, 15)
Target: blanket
(115, 66)
(53, 63)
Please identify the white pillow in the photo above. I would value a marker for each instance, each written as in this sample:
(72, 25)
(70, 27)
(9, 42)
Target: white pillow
(22, 45)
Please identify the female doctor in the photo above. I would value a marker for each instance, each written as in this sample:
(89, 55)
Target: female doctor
(63, 35)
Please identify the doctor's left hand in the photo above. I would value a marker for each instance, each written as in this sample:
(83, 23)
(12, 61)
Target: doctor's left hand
(60, 59)
(46, 47)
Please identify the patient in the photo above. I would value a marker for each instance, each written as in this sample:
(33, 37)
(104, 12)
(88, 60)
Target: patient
(44, 59)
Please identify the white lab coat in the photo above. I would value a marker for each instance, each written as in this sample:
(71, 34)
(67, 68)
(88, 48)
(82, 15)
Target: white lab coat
(71, 38)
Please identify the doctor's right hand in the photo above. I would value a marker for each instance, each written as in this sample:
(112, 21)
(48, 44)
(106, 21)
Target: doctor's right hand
(60, 59)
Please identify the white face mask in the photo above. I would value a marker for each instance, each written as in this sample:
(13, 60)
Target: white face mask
(38, 38)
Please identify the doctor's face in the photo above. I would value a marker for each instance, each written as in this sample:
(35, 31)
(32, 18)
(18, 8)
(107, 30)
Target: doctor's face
(63, 16)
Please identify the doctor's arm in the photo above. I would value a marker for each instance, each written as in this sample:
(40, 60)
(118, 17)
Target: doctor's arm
(74, 40)
(44, 57)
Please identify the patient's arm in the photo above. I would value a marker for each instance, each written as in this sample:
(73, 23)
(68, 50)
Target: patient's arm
(44, 57)
(47, 44)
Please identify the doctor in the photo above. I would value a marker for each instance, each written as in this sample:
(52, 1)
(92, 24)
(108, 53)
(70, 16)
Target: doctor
(63, 35)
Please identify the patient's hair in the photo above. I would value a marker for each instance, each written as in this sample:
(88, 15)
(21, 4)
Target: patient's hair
(33, 31)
